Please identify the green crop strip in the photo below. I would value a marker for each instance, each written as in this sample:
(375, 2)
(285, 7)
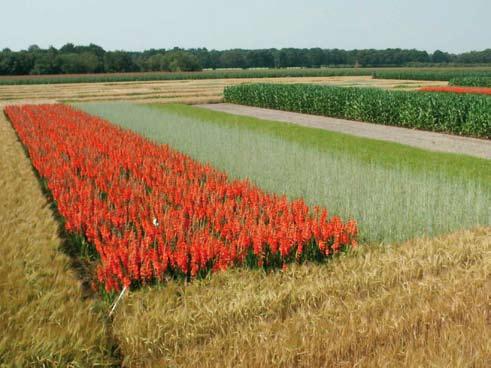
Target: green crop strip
(436, 74)
(209, 74)
(423, 73)
(471, 81)
(468, 115)
(395, 192)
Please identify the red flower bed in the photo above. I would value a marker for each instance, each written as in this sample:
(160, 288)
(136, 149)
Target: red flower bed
(152, 212)
(455, 89)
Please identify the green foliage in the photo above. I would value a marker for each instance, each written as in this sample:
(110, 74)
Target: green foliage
(173, 61)
(438, 74)
(119, 61)
(76, 63)
(471, 81)
(36, 60)
(177, 60)
(468, 115)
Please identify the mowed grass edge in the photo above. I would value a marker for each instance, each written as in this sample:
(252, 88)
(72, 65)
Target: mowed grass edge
(44, 317)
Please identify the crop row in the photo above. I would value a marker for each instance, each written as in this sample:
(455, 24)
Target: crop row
(152, 212)
(457, 89)
(383, 73)
(468, 115)
(436, 74)
(209, 74)
(471, 81)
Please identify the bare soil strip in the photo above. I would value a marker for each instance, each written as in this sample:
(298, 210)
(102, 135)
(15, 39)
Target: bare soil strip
(415, 138)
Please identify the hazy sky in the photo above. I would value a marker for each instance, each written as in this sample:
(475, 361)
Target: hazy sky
(450, 25)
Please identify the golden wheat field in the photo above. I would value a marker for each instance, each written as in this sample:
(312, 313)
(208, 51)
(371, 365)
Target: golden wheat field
(422, 303)
(426, 302)
(45, 318)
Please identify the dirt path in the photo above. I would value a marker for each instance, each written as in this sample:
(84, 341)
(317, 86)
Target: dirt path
(416, 138)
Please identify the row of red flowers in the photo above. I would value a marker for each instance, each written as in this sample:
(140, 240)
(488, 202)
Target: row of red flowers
(456, 89)
(152, 212)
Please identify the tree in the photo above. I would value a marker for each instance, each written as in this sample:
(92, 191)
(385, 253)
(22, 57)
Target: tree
(233, 59)
(79, 63)
(33, 48)
(181, 61)
(72, 58)
(119, 61)
(440, 57)
(156, 63)
(67, 48)
(46, 62)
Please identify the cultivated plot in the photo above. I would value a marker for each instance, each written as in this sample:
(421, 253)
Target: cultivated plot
(394, 192)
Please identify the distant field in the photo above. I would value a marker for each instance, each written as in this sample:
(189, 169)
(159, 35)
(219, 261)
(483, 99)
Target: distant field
(207, 74)
(467, 81)
(172, 91)
(440, 74)
(391, 73)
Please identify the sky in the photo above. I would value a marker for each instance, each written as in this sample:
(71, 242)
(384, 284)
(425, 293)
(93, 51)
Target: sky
(449, 25)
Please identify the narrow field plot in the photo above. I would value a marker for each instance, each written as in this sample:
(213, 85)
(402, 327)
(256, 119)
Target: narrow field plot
(422, 303)
(394, 192)
(45, 318)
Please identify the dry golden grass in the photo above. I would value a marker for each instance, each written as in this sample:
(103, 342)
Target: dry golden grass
(423, 303)
(44, 320)
(175, 91)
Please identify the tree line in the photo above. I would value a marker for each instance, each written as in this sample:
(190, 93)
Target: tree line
(71, 59)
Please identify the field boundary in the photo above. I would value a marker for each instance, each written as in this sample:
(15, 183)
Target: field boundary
(416, 138)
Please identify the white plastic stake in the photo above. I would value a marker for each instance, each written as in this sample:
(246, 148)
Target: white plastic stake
(117, 301)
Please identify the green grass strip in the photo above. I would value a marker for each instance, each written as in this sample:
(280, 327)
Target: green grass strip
(388, 154)
(394, 191)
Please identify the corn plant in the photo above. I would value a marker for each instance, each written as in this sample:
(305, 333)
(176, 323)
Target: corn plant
(468, 115)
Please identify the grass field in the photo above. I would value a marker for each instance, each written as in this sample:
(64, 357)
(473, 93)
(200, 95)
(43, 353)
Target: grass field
(432, 193)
